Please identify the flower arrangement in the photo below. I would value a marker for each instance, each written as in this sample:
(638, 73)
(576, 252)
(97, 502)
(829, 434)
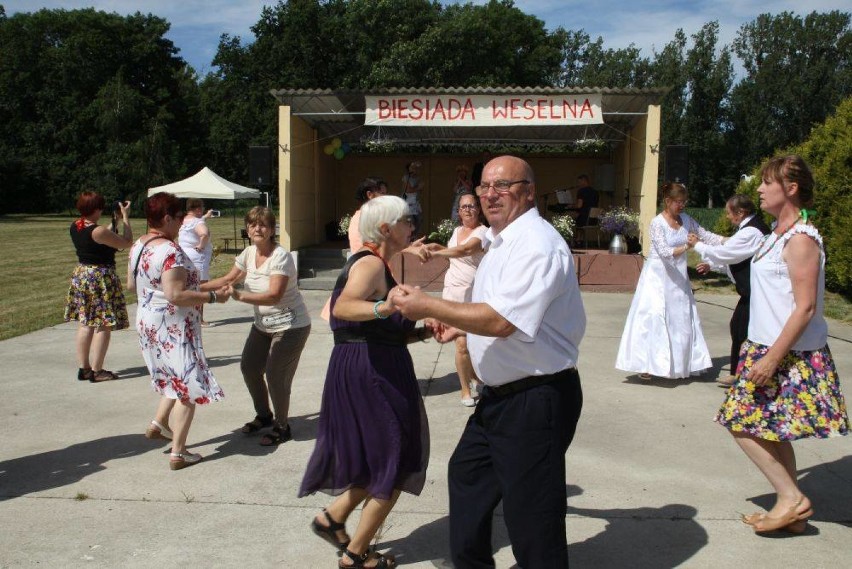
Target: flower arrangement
(620, 220)
(443, 231)
(343, 224)
(564, 225)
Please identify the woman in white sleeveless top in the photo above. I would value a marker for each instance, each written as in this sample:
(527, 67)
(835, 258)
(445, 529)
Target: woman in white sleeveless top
(787, 386)
(194, 239)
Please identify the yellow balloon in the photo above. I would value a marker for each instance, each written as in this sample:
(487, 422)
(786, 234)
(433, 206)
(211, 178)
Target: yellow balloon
(328, 149)
(336, 143)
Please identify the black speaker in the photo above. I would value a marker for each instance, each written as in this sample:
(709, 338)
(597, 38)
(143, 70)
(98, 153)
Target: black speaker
(260, 165)
(677, 163)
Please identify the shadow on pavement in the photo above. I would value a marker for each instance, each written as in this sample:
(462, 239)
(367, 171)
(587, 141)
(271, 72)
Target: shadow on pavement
(637, 537)
(56, 468)
(829, 487)
(707, 377)
(448, 383)
(303, 428)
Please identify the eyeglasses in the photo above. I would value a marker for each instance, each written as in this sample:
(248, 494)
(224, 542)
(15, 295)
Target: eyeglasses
(467, 207)
(406, 219)
(500, 186)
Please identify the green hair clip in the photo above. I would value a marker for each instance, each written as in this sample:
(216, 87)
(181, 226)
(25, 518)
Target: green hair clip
(806, 213)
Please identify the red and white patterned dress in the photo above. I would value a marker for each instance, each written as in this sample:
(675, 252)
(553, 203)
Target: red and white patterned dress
(169, 335)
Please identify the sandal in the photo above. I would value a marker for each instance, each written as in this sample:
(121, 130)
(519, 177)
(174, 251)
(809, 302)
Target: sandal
(256, 424)
(382, 561)
(85, 374)
(103, 375)
(329, 532)
(157, 431)
(275, 437)
(180, 460)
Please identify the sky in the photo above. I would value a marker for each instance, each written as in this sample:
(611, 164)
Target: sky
(196, 25)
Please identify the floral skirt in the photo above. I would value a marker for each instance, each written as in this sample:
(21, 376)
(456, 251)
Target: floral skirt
(95, 298)
(803, 401)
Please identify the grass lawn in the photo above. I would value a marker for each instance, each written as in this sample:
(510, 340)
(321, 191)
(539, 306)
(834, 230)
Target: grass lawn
(35, 271)
(38, 259)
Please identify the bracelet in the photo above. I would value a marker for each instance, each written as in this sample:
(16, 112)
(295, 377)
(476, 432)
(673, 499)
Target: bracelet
(376, 310)
(212, 299)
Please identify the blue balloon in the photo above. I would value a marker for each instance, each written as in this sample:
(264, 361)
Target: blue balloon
(346, 148)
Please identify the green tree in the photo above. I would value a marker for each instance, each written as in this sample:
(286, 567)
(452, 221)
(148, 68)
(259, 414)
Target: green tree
(709, 76)
(668, 69)
(588, 64)
(364, 44)
(90, 100)
(797, 71)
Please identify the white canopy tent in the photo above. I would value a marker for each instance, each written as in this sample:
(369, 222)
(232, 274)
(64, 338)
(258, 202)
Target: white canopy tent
(207, 184)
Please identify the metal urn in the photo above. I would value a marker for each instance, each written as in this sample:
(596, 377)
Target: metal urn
(618, 245)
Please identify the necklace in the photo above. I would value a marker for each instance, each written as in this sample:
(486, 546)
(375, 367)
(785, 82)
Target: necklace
(763, 252)
(676, 219)
(375, 250)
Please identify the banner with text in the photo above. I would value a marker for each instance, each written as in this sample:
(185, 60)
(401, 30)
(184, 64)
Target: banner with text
(483, 110)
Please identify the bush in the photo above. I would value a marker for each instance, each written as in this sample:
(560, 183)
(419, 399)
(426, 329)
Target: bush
(828, 152)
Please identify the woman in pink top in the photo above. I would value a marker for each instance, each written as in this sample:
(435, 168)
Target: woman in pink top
(464, 250)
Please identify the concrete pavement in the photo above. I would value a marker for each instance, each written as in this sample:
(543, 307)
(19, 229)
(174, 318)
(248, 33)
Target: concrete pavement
(652, 481)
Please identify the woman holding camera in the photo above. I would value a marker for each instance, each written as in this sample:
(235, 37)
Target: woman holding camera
(95, 298)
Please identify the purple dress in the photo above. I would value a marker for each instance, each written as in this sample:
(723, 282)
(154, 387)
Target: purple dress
(373, 432)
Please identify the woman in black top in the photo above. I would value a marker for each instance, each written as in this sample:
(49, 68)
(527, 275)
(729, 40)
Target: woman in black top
(95, 298)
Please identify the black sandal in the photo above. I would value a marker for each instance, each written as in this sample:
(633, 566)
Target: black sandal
(275, 437)
(329, 533)
(256, 424)
(102, 375)
(85, 374)
(359, 560)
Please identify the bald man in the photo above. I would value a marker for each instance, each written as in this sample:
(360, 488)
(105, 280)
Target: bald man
(524, 327)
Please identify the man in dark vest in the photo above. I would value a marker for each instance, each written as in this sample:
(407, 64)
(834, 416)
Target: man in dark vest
(734, 257)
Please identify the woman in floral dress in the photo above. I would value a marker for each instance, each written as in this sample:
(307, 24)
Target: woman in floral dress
(787, 386)
(95, 298)
(168, 320)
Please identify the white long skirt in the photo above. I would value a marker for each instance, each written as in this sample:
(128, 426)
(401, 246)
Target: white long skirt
(662, 335)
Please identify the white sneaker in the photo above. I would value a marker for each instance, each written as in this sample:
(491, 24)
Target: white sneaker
(468, 402)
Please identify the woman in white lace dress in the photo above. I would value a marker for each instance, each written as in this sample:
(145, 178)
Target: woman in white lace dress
(662, 336)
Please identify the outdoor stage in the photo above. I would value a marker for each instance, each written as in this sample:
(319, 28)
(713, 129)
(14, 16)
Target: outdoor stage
(597, 271)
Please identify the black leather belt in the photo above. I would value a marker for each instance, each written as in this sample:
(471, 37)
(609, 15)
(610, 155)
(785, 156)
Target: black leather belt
(349, 336)
(532, 381)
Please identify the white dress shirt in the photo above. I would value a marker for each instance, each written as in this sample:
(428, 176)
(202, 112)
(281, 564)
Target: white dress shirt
(739, 247)
(528, 277)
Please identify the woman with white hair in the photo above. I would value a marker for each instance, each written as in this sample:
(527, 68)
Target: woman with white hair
(373, 437)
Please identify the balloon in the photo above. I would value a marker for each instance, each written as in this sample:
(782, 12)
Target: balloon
(346, 148)
(328, 149)
(339, 154)
(336, 142)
